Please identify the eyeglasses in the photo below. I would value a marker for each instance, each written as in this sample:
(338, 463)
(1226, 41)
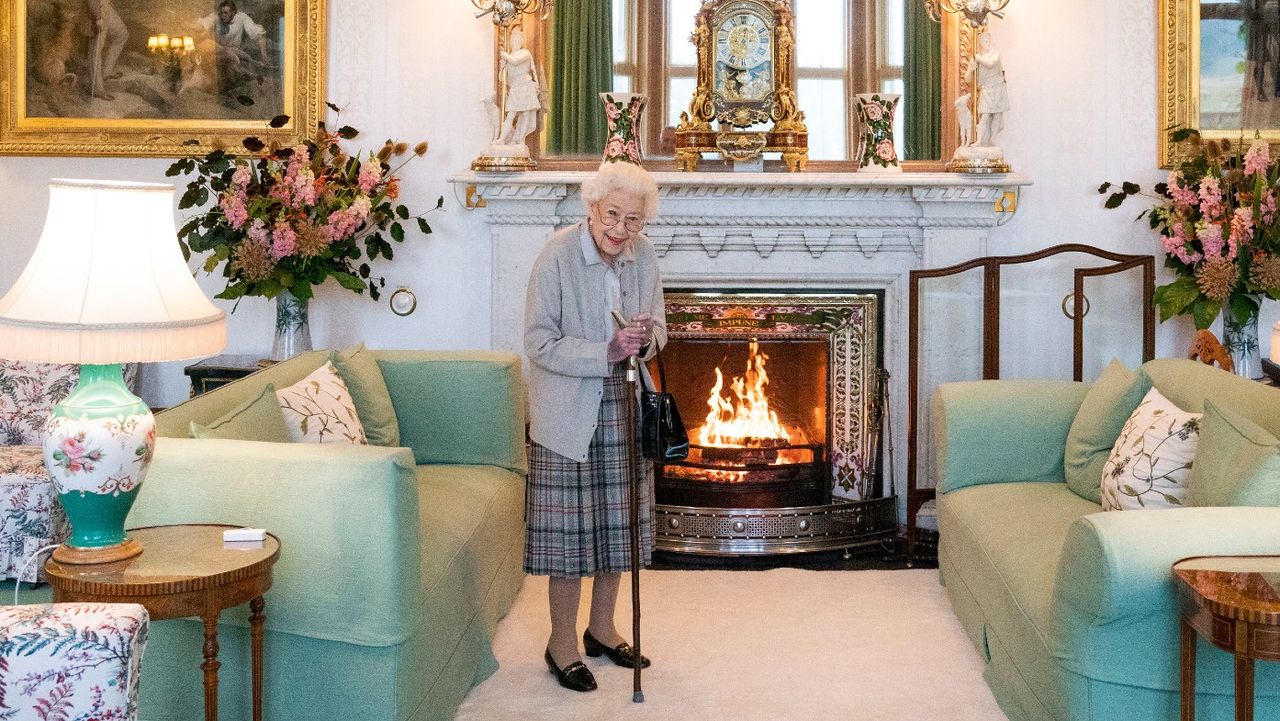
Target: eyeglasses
(610, 218)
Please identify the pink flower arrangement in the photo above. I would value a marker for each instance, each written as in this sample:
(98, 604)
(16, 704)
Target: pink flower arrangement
(1218, 225)
(289, 218)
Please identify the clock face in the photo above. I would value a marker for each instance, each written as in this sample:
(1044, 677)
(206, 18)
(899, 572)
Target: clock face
(743, 41)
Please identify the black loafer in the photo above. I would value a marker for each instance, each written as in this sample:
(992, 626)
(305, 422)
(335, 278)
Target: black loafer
(622, 654)
(575, 677)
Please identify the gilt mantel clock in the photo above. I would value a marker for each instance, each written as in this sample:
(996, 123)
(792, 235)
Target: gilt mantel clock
(746, 56)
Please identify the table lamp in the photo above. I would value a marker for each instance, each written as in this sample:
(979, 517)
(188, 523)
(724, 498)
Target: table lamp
(107, 285)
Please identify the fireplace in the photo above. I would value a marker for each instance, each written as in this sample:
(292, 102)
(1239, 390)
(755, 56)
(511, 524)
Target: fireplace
(780, 394)
(813, 231)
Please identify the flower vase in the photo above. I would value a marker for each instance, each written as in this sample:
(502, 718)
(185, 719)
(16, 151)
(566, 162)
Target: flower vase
(293, 331)
(876, 151)
(1241, 342)
(622, 112)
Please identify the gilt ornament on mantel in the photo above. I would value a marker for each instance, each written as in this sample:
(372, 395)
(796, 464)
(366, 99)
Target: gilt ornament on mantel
(745, 79)
(981, 108)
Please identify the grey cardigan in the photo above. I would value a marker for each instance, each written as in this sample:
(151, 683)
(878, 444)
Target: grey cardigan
(564, 333)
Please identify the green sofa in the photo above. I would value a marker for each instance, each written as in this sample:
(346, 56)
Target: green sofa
(396, 563)
(1074, 610)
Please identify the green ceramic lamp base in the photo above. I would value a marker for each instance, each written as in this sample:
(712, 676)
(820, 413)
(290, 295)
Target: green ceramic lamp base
(98, 444)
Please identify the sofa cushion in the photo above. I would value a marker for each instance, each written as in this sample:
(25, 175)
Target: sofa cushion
(359, 370)
(319, 409)
(1237, 463)
(1188, 383)
(443, 399)
(1150, 464)
(175, 422)
(1110, 401)
(259, 419)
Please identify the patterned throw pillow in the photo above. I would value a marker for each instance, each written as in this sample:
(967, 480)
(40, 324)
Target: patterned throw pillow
(1150, 464)
(319, 409)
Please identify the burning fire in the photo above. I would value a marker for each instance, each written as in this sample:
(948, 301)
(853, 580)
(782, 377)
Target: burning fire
(745, 419)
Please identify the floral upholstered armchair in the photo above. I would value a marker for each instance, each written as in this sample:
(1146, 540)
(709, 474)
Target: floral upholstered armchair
(30, 515)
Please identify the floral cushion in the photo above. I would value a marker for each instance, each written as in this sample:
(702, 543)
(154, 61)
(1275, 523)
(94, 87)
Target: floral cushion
(28, 392)
(319, 409)
(1150, 464)
(30, 515)
(71, 661)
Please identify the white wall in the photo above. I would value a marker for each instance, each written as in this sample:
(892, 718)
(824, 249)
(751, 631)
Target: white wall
(1081, 80)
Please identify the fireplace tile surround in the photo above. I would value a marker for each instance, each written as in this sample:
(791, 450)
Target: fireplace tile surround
(845, 232)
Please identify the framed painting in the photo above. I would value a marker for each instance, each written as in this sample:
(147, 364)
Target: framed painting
(149, 77)
(1219, 70)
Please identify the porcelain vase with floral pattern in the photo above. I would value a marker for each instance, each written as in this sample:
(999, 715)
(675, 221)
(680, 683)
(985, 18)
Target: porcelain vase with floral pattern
(876, 152)
(1241, 341)
(97, 446)
(622, 112)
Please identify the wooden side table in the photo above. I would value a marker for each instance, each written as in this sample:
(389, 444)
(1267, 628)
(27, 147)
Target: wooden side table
(1234, 602)
(220, 370)
(183, 571)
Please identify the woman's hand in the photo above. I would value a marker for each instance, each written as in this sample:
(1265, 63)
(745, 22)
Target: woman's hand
(626, 342)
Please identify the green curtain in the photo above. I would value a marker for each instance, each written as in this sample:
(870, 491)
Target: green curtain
(582, 67)
(922, 76)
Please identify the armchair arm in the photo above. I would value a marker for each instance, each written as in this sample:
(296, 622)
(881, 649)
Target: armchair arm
(1115, 604)
(1001, 431)
(346, 517)
(1118, 565)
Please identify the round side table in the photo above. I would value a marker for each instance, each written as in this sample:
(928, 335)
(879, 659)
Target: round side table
(1234, 602)
(183, 571)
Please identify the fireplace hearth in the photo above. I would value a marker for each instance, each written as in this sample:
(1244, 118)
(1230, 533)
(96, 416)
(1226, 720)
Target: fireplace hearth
(784, 455)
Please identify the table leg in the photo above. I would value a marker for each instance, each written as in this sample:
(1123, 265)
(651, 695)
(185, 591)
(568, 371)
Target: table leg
(256, 619)
(1188, 684)
(210, 666)
(1244, 688)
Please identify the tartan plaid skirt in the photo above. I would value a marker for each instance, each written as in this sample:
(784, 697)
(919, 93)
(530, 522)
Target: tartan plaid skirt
(577, 515)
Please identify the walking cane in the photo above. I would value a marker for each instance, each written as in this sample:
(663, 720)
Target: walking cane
(633, 382)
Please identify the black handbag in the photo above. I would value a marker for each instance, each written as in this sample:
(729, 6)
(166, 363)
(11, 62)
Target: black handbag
(663, 438)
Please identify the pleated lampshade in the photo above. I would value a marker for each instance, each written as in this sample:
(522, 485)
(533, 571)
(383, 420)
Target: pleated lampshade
(107, 283)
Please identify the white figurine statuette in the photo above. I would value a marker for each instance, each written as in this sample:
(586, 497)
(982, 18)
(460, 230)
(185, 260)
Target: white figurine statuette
(514, 111)
(978, 151)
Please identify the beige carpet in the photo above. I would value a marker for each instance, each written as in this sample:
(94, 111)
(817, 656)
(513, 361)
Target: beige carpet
(785, 644)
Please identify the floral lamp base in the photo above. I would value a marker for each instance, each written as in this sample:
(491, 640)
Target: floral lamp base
(97, 447)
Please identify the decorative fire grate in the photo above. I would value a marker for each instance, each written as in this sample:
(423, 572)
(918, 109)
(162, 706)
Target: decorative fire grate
(767, 476)
(787, 459)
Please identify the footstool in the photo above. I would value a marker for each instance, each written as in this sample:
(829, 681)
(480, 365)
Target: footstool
(71, 660)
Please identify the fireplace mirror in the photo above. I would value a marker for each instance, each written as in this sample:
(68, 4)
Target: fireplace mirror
(842, 48)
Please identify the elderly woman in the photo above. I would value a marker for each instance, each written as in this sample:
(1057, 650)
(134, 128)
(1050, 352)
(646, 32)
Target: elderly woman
(578, 500)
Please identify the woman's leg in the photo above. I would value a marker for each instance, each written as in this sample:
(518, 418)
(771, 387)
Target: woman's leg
(564, 594)
(604, 598)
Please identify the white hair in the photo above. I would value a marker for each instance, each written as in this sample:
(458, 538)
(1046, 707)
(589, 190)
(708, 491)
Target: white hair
(622, 177)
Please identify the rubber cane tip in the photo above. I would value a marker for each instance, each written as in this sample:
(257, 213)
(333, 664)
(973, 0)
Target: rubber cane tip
(637, 697)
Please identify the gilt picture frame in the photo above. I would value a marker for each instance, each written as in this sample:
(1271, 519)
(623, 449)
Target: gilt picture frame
(1217, 72)
(157, 77)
